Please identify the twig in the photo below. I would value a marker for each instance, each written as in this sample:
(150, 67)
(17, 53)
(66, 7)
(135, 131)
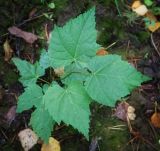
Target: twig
(117, 6)
(26, 21)
(4, 134)
(43, 80)
(154, 45)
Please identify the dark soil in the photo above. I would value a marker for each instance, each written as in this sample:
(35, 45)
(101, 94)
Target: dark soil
(132, 41)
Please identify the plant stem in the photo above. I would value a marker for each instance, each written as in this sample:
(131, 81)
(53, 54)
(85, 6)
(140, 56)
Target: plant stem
(117, 6)
(43, 80)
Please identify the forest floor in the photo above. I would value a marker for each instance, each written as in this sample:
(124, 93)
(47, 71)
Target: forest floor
(121, 32)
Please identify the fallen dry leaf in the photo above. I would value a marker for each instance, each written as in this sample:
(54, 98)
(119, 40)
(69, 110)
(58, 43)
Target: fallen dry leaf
(27, 36)
(155, 119)
(124, 111)
(150, 16)
(27, 138)
(7, 50)
(121, 111)
(141, 10)
(154, 27)
(11, 114)
(136, 4)
(101, 52)
(53, 145)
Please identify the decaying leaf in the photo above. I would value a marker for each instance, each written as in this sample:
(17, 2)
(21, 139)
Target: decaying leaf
(101, 52)
(124, 111)
(27, 138)
(53, 145)
(27, 36)
(7, 50)
(11, 114)
(141, 10)
(156, 24)
(151, 16)
(154, 27)
(155, 119)
(121, 111)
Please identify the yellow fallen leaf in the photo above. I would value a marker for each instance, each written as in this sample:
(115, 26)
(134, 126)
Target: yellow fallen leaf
(53, 145)
(7, 50)
(154, 27)
(136, 4)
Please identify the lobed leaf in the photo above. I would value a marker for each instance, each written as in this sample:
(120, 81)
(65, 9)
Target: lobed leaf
(74, 73)
(70, 105)
(44, 59)
(42, 123)
(111, 79)
(29, 72)
(32, 96)
(75, 41)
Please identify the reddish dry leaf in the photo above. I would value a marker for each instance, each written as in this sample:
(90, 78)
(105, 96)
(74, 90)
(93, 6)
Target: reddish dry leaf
(7, 50)
(11, 114)
(122, 111)
(27, 36)
(155, 119)
(101, 52)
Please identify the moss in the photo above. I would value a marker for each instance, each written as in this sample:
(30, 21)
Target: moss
(9, 76)
(113, 137)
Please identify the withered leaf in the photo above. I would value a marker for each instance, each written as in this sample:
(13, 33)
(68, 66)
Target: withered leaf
(27, 36)
(155, 119)
(125, 111)
(7, 50)
(122, 110)
(101, 52)
(11, 114)
(53, 145)
(27, 138)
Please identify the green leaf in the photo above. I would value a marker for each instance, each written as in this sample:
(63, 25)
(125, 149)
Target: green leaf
(42, 123)
(148, 2)
(74, 41)
(51, 5)
(74, 73)
(31, 97)
(70, 105)
(29, 72)
(44, 59)
(111, 79)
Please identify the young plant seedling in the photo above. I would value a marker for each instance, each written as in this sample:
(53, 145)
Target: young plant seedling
(86, 78)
